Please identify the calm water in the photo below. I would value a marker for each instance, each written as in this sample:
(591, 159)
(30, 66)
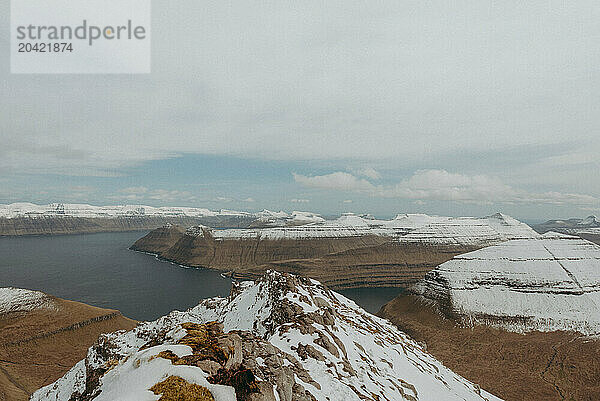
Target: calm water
(98, 269)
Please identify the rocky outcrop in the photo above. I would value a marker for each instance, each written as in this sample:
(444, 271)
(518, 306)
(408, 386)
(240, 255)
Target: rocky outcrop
(42, 336)
(281, 338)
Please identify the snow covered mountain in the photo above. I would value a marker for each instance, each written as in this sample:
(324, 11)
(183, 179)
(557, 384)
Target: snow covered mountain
(64, 218)
(281, 338)
(546, 284)
(470, 231)
(590, 224)
(435, 230)
(81, 210)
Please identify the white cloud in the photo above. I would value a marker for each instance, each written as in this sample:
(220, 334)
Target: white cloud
(442, 185)
(368, 172)
(134, 190)
(137, 194)
(338, 181)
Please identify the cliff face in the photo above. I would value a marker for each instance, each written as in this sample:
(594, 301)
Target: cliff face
(64, 218)
(543, 284)
(515, 317)
(53, 225)
(280, 338)
(41, 337)
(337, 261)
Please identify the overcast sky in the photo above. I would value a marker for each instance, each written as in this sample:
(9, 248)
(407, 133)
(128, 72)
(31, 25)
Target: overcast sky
(384, 107)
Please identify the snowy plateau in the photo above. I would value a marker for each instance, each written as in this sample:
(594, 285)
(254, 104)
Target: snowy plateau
(545, 284)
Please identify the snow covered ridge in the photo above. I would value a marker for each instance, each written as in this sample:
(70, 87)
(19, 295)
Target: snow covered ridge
(410, 228)
(471, 231)
(546, 284)
(21, 300)
(264, 218)
(281, 338)
(81, 210)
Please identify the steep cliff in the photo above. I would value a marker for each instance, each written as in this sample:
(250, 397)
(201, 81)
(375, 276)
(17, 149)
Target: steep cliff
(543, 284)
(349, 252)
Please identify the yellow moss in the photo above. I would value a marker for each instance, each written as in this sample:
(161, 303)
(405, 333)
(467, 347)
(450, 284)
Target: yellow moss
(202, 339)
(174, 388)
(111, 364)
(168, 354)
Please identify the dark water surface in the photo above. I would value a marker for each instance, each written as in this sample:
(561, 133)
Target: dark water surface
(100, 270)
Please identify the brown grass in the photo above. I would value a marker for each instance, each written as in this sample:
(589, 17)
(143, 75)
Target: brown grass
(38, 347)
(174, 388)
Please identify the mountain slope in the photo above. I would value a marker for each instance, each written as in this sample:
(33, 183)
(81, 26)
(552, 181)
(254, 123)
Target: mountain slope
(588, 228)
(281, 338)
(41, 337)
(64, 218)
(532, 366)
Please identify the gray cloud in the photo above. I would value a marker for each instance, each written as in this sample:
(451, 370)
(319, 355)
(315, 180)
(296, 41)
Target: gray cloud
(441, 185)
(387, 83)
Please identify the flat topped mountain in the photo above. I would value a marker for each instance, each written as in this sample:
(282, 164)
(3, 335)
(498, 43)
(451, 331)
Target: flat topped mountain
(470, 231)
(348, 252)
(65, 218)
(546, 284)
(280, 338)
(42, 336)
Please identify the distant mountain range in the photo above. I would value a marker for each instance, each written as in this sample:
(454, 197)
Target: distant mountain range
(569, 224)
(65, 218)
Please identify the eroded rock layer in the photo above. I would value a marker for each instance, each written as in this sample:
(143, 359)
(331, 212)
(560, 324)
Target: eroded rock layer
(349, 252)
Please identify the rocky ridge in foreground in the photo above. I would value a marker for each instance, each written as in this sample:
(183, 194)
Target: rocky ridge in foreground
(280, 338)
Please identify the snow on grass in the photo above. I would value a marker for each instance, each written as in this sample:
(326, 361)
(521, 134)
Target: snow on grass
(19, 300)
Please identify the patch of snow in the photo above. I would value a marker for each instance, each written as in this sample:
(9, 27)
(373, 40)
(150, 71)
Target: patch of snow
(19, 300)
